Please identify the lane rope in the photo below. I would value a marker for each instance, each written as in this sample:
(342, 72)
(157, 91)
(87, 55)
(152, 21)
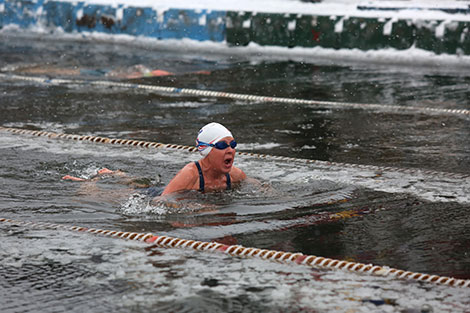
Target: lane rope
(230, 95)
(262, 254)
(150, 144)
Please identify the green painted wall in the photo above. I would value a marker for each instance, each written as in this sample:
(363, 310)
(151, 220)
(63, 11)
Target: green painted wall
(292, 30)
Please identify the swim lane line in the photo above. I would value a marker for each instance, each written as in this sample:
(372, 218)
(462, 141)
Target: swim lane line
(262, 254)
(229, 95)
(150, 144)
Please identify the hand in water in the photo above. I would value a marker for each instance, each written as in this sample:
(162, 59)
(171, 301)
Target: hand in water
(73, 178)
(103, 171)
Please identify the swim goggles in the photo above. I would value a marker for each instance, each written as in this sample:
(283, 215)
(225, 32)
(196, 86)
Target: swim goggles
(221, 145)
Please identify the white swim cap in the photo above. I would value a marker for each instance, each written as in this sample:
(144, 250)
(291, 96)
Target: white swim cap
(211, 133)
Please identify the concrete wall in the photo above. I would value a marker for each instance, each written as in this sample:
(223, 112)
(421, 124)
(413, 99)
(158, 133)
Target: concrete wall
(241, 28)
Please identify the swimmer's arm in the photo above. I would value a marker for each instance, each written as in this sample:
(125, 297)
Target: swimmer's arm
(237, 175)
(166, 201)
(184, 180)
(88, 185)
(103, 171)
(261, 186)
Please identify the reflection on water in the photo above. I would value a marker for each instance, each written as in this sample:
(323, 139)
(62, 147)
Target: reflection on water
(409, 220)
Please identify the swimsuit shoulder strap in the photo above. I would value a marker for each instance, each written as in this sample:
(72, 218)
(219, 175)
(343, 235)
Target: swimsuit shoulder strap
(229, 182)
(201, 177)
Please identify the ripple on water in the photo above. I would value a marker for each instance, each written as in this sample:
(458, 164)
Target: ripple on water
(57, 271)
(246, 199)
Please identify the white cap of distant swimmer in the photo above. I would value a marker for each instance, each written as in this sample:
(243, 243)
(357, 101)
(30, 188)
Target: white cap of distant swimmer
(211, 133)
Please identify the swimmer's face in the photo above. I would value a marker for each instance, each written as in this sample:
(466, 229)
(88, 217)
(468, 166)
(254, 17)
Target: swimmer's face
(222, 160)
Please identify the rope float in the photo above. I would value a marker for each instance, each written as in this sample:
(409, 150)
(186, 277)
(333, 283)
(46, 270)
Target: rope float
(236, 250)
(229, 95)
(149, 144)
(263, 254)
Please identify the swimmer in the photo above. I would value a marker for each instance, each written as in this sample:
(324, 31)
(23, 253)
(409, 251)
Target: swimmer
(215, 171)
(133, 72)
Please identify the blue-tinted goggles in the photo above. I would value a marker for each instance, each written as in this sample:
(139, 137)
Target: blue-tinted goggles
(221, 145)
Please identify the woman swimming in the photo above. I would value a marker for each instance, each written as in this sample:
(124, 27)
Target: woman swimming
(215, 171)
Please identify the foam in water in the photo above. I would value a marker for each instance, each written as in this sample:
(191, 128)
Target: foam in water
(125, 275)
(432, 187)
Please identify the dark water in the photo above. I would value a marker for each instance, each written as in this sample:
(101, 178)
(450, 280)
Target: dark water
(408, 220)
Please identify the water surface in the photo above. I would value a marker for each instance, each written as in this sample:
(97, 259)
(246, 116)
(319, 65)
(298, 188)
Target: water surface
(409, 219)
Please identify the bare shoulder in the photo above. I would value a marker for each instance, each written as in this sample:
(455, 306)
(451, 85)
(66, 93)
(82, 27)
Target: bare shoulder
(189, 169)
(183, 180)
(237, 174)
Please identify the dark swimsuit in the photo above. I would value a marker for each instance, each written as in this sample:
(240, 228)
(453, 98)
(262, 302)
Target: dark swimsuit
(157, 191)
(201, 178)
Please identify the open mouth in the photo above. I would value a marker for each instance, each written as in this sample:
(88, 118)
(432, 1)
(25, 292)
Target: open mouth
(228, 161)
